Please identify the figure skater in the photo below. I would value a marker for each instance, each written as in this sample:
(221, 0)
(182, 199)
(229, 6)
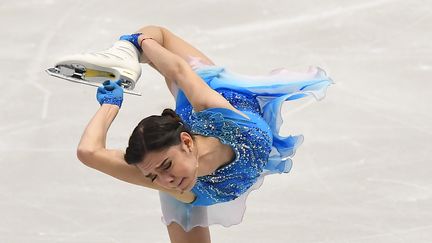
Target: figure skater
(206, 156)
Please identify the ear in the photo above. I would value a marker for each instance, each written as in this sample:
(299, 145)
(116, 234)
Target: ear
(187, 141)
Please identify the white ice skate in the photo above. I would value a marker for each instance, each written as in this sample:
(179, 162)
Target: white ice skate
(120, 62)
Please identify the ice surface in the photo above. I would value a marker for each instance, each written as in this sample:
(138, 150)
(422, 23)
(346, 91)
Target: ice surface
(362, 175)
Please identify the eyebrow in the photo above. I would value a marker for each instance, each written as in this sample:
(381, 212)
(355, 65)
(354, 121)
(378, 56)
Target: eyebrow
(163, 162)
(150, 175)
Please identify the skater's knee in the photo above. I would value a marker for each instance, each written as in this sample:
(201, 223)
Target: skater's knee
(152, 27)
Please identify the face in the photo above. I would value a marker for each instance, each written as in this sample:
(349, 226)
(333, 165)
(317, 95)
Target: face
(173, 168)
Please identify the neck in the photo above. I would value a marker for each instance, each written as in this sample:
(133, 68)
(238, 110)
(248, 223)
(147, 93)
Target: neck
(211, 154)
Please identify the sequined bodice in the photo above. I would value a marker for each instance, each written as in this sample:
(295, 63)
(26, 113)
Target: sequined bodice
(251, 140)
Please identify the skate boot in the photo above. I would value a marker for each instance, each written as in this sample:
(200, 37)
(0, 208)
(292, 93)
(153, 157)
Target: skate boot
(120, 62)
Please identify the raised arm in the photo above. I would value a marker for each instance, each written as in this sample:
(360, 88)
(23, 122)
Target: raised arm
(173, 67)
(92, 152)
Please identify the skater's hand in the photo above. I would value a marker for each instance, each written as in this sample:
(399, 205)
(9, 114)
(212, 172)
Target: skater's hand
(110, 93)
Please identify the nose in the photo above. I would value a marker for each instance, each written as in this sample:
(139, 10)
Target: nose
(166, 179)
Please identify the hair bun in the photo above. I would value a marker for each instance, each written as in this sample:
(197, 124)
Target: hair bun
(171, 113)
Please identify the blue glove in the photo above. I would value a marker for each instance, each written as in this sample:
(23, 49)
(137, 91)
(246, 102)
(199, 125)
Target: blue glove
(110, 93)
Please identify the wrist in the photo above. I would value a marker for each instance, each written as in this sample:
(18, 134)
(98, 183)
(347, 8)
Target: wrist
(107, 105)
(143, 38)
(112, 101)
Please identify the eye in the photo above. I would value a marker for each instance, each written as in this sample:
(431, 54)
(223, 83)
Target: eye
(168, 165)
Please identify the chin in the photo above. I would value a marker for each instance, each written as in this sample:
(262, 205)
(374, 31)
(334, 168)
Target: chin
(191, 184)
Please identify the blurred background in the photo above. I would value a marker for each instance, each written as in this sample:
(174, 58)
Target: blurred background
(363, 173)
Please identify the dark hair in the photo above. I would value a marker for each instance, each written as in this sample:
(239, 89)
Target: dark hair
(154, 133)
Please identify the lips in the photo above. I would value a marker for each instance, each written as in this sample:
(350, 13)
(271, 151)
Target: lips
(180, 182)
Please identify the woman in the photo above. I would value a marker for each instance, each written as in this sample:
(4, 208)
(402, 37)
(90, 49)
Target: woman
(216, 147)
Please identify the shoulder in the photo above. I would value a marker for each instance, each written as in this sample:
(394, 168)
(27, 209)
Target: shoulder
(198, 92)
(213, 120)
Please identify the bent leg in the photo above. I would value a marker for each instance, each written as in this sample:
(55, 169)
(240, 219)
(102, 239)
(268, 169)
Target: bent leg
(195, 235)
(173, 43)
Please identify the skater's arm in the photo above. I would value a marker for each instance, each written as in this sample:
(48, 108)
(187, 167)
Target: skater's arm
(175, 45)
(172, 86)
(92, 152)
(173, 67)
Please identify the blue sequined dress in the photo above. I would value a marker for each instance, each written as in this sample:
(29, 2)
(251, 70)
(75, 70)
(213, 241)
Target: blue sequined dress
(259, 149)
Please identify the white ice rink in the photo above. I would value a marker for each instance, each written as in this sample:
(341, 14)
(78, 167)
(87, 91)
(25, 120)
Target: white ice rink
(363, 174)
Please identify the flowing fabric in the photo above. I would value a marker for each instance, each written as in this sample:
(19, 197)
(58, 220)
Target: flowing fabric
(261, 97)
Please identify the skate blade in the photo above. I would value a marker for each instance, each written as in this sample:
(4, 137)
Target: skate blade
(77, 77)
